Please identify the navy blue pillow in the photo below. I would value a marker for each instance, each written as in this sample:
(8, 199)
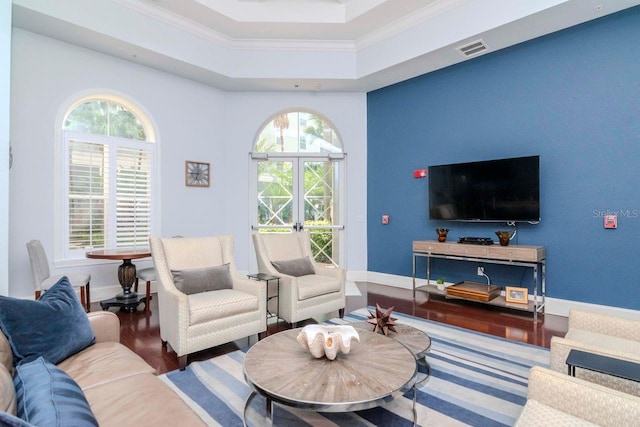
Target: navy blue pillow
(47, 396)
(54, 327)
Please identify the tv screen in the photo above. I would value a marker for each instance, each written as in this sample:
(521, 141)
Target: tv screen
(492, 190)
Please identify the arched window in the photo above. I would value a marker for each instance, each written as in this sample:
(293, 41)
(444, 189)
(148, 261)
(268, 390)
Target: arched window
(298, 181)
(302, 132)
(109, 155)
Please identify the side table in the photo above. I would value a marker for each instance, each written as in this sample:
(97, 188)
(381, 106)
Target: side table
(263, 277)
(603, 364)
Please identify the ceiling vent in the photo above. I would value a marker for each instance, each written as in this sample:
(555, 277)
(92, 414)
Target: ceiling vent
(474, 48)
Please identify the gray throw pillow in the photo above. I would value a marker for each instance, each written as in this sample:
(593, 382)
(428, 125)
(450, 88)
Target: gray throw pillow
(198, 280)
(295, 267)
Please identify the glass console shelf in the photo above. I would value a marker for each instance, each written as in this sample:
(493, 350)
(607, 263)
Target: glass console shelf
(517, 255)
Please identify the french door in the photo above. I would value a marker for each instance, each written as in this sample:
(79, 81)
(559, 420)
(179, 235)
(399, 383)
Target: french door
(302, 193)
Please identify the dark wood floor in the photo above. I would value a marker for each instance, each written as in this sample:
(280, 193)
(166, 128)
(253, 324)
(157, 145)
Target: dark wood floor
(140, 330)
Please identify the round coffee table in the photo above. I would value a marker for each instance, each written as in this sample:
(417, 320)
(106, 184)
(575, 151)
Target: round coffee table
(417, 341)
(376, 370)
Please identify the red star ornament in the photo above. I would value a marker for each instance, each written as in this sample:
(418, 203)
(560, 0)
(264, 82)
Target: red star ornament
(382, 320)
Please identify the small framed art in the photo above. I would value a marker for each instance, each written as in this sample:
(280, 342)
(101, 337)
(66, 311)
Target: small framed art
(516, 295)
(197, 174)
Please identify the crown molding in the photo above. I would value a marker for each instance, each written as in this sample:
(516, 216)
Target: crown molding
(408, 22)
(222, 40)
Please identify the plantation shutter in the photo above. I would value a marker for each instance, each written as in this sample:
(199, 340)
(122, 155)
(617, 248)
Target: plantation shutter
(88, 194)
(108, 168)
(133, 195)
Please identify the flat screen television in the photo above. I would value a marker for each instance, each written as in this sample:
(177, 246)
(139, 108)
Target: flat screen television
(493, 190)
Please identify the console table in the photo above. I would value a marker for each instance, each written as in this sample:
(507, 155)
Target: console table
(516, 255)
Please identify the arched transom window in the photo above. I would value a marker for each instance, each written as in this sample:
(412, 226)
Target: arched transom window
(109, 154)
(301, 132)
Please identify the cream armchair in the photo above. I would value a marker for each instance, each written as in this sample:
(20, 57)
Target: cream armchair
(602, 334)
(304, 296)
(191, 322)
(560, 400)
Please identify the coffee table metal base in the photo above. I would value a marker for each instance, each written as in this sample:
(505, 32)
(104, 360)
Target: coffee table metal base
(376, 371)
(261, 411)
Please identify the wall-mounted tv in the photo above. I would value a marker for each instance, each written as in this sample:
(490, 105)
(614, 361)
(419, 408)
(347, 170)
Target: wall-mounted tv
(492, 190)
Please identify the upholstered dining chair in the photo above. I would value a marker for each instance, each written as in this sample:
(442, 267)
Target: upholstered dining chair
(147, 275)
(307, 288)
(43, 280)
(203, 301)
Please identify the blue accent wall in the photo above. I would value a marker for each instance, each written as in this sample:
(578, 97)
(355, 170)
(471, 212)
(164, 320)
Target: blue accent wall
(572, 97)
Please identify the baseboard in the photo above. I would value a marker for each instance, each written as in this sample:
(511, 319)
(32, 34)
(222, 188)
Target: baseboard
(555, 306)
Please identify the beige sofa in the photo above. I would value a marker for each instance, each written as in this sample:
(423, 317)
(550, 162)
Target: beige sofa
(560, 400)
(601, 334)
(121, 388)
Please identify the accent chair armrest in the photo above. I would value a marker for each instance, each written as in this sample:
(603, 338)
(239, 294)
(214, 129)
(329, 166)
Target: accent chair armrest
(325, 270)
(588, 401)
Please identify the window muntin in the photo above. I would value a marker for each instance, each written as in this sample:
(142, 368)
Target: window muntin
(108, 178)
(298, 132)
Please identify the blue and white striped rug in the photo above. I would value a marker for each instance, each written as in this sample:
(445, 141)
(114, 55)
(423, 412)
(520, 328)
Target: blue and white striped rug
(476, 379)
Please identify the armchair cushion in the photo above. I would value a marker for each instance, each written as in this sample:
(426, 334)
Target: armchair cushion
(55, 327)
(295, 267)
(315, 285)
(47, 396)
(196, 280)
(228, 302)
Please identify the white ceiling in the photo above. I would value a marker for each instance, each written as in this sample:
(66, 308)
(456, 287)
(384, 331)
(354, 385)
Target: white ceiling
(301, 45)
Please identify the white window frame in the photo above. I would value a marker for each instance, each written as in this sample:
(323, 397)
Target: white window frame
(62, 256)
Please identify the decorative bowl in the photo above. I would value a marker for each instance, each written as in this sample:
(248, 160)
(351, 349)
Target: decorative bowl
(324, 340)
(504, 237)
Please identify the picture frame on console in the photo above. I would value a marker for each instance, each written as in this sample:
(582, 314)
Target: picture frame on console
(516, 295)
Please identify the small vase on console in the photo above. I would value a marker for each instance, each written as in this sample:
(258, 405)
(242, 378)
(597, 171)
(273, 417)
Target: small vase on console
(442, 234)
(504, 237)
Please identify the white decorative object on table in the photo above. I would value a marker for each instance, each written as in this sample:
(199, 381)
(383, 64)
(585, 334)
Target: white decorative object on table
(323, 340)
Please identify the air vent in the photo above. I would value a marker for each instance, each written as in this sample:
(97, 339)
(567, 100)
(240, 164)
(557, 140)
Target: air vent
(473, 48)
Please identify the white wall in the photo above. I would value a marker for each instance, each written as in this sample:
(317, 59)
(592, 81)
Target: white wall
(194, 122)
(5, 66)
(347, 111)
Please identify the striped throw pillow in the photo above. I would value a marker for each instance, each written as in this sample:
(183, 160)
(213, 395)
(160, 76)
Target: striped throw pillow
(47, 396)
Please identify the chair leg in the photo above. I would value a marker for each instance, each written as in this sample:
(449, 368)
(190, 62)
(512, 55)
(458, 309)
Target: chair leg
(88, 299)
(182, 362)
(148, 300)
(83, 298)
(38, 293)
(164, 343)
(341, 313)
(135, 289)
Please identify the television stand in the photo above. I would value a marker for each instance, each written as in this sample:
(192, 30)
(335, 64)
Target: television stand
(515, 255)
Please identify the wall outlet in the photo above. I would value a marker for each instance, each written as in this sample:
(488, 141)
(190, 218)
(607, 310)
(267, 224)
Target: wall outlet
(480, 271)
